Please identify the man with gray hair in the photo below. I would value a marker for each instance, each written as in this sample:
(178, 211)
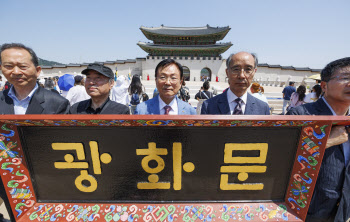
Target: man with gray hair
(241, 68)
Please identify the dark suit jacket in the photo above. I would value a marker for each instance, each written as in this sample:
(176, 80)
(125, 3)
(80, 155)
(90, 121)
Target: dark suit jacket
(333, 182)
(219, 105)
(42, 102)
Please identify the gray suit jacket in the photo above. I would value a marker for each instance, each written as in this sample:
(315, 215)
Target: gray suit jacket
(151, 106)
(219, 105)
(331, 197)
(42, 102)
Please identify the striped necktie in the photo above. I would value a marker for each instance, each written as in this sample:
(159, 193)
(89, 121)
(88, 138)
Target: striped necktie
(238, 108)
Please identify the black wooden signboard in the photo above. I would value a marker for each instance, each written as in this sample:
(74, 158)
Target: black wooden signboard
(159, 175)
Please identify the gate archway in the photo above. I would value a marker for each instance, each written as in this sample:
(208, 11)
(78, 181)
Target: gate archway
(187, 73)
(205, 74)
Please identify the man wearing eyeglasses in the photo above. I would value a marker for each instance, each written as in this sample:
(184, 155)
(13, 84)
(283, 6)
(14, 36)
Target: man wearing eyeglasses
(331, 197)
(98, 84)
(169, 77)
(240, 71)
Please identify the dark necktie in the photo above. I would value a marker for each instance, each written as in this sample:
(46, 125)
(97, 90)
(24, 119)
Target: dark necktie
(238, 108)
(167, 109)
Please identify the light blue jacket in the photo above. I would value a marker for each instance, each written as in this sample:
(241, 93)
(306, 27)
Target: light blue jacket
(151, 106)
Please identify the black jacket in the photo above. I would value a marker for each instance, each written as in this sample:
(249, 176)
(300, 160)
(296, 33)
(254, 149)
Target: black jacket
(109, 107)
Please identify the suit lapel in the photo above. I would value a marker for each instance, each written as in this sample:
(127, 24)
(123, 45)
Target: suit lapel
(154, 106)
(223, 106)
(249, 107)
(7, 106)
(322, 108)
(36, 101)
(180, 106)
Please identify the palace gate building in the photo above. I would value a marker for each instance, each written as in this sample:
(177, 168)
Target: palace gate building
(198, 49)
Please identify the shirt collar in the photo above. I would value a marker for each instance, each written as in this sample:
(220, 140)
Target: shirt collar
(99, 109)
(334, 114)
(12, 93)
(162, 103)
(172, 104)
(231, 96)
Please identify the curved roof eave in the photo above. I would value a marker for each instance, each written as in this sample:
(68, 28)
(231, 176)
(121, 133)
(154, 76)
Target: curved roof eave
(184, 47)
(188, 31)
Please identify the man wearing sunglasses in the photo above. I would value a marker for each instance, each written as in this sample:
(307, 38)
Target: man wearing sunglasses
(331, 197)
(240, 71)
(98, 84)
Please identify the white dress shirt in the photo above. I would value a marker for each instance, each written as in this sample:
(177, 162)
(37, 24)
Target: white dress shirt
(172, 104)
(21, 106)
(232, 103)
(77, 94)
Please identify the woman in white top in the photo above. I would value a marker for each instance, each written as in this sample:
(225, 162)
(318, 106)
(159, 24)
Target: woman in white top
(119, 92)
(314, 95)
(258, 92)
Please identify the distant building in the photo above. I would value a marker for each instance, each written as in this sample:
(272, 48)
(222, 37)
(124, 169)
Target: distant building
(190, 42)
(197, 49)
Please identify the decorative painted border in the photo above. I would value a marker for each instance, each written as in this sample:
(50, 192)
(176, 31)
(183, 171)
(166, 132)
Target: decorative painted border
(160, 212)
(158, 122)
(307, 164)
(14, 171)
(309, 155)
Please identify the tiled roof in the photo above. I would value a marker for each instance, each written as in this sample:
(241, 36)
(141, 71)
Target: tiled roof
(190, 47)
(74, 65)
(316, 70)
(185, 31)
(274, 66)
(302, 69)
(287, 67)
(143, 58)
(263, 65)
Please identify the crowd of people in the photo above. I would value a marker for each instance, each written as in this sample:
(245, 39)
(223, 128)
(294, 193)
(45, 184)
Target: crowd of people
(295, 97)
(97, 93)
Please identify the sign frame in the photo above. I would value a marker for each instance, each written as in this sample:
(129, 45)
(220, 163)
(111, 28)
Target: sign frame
(314, 130)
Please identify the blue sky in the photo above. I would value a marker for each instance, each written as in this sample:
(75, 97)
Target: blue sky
(305, 33)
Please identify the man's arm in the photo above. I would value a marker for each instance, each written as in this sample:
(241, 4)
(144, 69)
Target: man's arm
(126, 110)
(197, 96)
(63, 108)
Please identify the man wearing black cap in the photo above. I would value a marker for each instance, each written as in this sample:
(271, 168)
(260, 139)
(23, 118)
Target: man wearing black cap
(98, 84)
(77, 93)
